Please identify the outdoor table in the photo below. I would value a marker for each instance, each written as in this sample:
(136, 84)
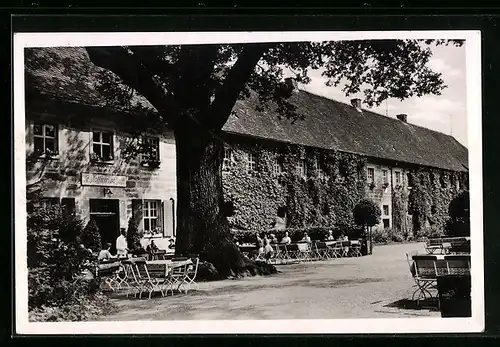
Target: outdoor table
(436, 256)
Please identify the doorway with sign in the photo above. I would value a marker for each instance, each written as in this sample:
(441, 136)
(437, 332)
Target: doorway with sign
(105, 213)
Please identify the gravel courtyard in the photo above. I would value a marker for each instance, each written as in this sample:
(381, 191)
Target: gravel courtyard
(376, 286)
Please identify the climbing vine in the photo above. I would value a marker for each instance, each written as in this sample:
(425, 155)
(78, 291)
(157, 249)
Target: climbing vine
(324, 195)
(431, 192)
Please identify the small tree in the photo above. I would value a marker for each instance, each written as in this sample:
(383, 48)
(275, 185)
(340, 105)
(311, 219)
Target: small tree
(459, 212)
(91, 238)
(367, 214)
(133, 237)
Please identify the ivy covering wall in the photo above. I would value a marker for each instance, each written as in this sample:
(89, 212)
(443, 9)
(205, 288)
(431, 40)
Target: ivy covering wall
(427, 200)
(325, 196)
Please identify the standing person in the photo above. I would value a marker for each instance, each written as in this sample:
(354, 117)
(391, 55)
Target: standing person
(121, 244)
(268, 249)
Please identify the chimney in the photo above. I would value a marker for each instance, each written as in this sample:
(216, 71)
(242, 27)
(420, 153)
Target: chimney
(402, 117)
(292, 84)
(356, 103)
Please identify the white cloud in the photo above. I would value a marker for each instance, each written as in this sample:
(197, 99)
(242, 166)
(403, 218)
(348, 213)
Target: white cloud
(439, 65)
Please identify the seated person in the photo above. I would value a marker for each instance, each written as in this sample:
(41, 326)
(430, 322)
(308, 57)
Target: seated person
(286, 239)
(330, 236)
(104, 254)
(306, 238)
(152, 248)
(268, 249)
(273, 238)
(260, 244)
(171, 244)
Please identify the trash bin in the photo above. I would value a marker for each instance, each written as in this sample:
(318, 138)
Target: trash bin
(454, 296)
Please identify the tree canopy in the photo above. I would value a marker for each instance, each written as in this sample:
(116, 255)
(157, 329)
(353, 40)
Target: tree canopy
(202, 82)
(366, 213)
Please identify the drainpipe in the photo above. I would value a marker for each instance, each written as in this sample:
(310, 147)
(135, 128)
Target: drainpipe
(173, 216)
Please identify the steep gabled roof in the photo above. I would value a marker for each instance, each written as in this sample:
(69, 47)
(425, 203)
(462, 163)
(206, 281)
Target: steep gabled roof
(331, 124)
(66, 73)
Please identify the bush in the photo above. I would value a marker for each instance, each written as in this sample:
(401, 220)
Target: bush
(427, 232)
(380, 235)
(57, 261)
(91, 238)
(134, 238)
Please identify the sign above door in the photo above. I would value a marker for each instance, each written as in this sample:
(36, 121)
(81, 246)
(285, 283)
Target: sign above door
(91, 179)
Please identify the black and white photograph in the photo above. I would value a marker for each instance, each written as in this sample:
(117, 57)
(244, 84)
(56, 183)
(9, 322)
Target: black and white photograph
(248, 182)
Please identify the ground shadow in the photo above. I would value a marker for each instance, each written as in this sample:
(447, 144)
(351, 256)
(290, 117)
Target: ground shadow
(407, 304)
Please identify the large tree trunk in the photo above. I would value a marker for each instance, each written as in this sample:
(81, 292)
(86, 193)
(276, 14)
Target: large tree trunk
(202, 227)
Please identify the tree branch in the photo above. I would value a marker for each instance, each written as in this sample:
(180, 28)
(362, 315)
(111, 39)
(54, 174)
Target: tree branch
(136, 75)
(226, 96)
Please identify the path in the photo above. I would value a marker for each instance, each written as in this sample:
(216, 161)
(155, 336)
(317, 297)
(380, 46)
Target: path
(365, 287)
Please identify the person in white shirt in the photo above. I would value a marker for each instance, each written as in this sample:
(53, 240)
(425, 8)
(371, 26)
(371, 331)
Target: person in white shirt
(104, 254)
(330, 236)
(286, 239)
(121, 244)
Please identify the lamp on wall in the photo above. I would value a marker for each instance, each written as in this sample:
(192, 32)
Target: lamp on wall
(106, 191)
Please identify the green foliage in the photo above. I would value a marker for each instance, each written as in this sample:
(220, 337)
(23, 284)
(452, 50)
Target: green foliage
(431, 194)
(367, 213)
(459, 212)
(257, 196)
(430, 231)
(56, 263)
(91, 238)
(134, 238)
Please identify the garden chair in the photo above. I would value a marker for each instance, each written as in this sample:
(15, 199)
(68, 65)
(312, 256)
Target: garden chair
(131, 278)
(458, 264)
(306, 252)
(192, 271)
(109, 273)
(346, 246)
(293, 252)
(336, 250)
(355, 249)
(177, 277)
(424, 273)
(322, 251)
(150, 282)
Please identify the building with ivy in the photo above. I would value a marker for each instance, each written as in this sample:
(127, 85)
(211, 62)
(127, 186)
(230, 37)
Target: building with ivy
(312, 170)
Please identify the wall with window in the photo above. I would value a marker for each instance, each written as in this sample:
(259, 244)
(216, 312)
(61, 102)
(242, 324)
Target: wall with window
(58, 152)
(379, 188)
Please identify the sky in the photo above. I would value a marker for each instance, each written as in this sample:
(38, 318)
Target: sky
(446, 113)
